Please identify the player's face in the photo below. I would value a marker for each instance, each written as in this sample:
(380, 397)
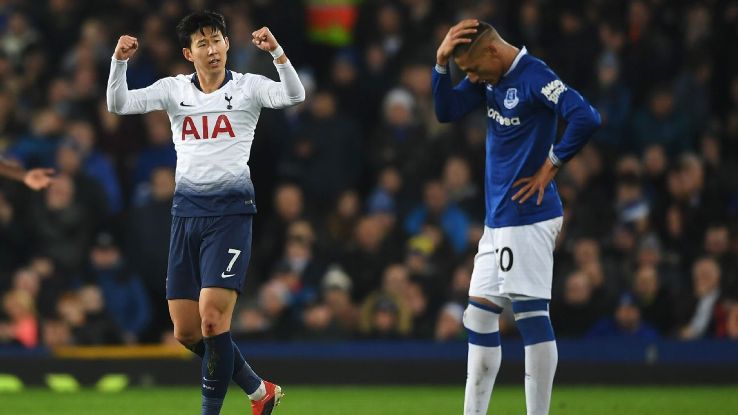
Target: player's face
(208, 50)
(482, 64)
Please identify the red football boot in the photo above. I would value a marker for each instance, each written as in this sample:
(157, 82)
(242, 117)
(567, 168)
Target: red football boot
(266, 405)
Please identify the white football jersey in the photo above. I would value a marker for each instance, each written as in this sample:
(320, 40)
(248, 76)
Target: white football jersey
(212, 132)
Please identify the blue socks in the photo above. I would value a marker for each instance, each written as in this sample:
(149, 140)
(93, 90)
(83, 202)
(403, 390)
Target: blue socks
(217, 370)
(243, 375)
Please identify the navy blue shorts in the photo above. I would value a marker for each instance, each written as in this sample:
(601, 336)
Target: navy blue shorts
(209, 251)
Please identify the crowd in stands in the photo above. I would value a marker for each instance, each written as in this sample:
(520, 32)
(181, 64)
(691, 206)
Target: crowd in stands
(370, 210)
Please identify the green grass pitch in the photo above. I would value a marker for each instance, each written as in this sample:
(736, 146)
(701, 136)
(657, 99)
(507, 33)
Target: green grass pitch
(360, 400)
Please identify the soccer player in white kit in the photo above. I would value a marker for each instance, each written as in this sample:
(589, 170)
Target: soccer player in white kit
(514, 263)
(213, 114)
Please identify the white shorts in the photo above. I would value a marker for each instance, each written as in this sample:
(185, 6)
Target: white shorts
(515, 260)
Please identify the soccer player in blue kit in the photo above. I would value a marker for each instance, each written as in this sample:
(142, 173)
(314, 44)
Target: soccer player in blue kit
(213, 113)
(524, 99)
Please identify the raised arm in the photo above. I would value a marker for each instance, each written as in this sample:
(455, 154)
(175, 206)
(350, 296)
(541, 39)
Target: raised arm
(289, 90)
(122, 101)
(453, 103)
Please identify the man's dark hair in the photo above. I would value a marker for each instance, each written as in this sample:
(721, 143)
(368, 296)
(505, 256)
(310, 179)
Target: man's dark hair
(198, 21)
(482, 30)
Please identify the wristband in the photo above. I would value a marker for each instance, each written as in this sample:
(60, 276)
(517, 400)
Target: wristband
(555, 160)
(441, 69)
(277, 52)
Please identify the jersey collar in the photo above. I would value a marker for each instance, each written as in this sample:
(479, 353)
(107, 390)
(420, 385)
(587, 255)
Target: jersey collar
(195, 80)
(520, 54)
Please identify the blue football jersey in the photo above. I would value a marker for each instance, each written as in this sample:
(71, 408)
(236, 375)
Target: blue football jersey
(522, 119)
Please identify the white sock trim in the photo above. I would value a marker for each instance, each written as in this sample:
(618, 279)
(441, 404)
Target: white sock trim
(259, 393)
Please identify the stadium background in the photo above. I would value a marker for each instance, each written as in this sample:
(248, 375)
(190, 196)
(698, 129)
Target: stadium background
(369, 209)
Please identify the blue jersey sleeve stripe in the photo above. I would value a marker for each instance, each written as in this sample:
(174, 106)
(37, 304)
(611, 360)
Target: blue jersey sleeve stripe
(491, 309)
(530, 305)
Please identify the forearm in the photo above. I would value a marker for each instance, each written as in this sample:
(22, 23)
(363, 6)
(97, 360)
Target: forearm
(12, 172)
(450, 103)
(583, 120)
(292, 90)
(117, 92)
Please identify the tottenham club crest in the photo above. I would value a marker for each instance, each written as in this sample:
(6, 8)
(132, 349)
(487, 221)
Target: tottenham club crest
(511, 98)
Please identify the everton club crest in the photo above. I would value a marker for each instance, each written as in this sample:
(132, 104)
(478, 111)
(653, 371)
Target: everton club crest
(511, 98)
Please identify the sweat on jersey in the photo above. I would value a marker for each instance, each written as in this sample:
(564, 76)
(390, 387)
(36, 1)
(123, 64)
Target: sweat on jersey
(522, 116)
(212, 132)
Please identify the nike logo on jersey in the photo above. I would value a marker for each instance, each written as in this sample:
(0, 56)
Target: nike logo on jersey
(224, 275)
(182, 104)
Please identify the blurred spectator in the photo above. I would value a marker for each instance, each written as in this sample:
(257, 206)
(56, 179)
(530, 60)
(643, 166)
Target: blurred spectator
(288, 207)
(326, 150)
(366, 256)
(95, 164)
(462, 191)
(384, 317)
(399, 136)
(56, 333)
(717, 246)
(731, 322)
(438, 210)
(157, 154)
(123, 292)
(625, 323)
(612, 99)
(341, 221)
(84, 312)
(653, 299)
(336, 294)
(148, 230)
(660, 122)
(88, 191)
(62, 226)
(577, 312)
(36, 147)
(450, 325)
(701, 305)
(22, 326)
(11, 236)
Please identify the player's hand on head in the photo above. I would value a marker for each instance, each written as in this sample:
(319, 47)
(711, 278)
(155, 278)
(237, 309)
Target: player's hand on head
(126, 47)
(38, 179)
(264, 39)
(455, 36)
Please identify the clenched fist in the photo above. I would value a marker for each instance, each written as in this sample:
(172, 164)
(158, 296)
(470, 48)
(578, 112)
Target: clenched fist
(126, 47)
(264, 39)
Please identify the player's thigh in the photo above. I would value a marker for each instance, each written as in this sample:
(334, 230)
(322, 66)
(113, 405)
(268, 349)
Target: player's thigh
(183, 266)
(484, 279)
(525, 258)
(185, 316)
(225, 252)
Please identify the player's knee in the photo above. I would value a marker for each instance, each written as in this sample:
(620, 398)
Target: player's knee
(481, 318)
(213, 323)
(187, 338)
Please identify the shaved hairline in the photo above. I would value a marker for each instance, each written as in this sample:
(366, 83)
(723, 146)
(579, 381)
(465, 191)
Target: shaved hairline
(489, 32)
